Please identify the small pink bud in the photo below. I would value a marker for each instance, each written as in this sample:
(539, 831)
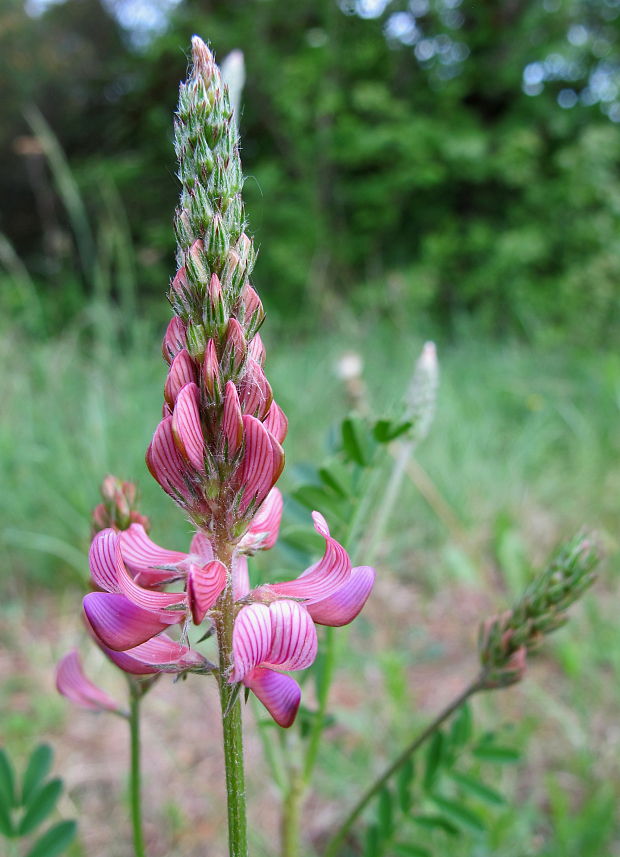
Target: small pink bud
(216, 315)
(180, 292)
(235, 349)
(233, 273)
(196, 341)
(174, 339)
(196, 264)
(252, 310)
(211, 373)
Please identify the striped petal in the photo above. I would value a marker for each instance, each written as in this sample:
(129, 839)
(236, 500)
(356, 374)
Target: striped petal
(325, 577)
(251, 639)
(161, 654)
(262, 533)
(293, 641)
(232, 422)
(201, 546)
(149, 563)
(186, 426)
(254, 474)
(166, 604)
(102, 560)
(182, 372)
(276, 422)
(73, 684)
(342, 606)
(256, 349)
(118, 623)
(240, 577)
(204, 586)
(174, 339)
(165, 463)
(279, 693)
(255, 392)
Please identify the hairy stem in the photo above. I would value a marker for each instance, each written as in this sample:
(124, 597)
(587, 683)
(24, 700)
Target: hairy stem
(337, 840)
(231, 720)
(135, 795)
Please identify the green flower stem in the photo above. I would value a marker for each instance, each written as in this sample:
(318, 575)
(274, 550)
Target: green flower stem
(135, 795)
(333, 846)
(232, 726)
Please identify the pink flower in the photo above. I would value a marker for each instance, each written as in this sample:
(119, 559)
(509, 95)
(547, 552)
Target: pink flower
(72, 683)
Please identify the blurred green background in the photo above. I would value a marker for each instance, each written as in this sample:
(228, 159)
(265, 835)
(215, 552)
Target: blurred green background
(431, 169)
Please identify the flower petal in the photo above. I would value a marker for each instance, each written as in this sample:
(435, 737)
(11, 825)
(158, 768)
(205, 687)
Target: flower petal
(279, 693)
(102, 560)
(118, 623)
(149, 563)
(201, 546)
(186, 426)
(240, 577)
(251, 639)
(342, 606)
(161, 603)
(256, 349)
(232, 423)
(293, 642)
(276, 422)
(254, 474)
(165, 463)
(204, 586)
(174, 339)
(325, 577)
(262, 533)
(255, 392)
(72, 683)
(161, 654)
(182, 372)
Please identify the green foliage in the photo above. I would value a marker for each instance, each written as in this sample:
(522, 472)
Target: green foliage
(25, 807)
(423, 813)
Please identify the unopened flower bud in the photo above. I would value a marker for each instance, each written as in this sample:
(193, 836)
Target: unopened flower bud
(117, 509)
(196, 340)
(233, 274)
(211, 373)
(181, 294)
(215, 315)
(252, 312)
(235, 350)
(216, 242)
(174, 339)
(196, 266)
(247, 253)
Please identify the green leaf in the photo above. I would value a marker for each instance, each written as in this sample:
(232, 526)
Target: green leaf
(6, 824)
(385, 814)
(356, 441)
(462, 727)
(408, 850)
(7, 780)
(303, 539)
(495, 753)
(385, 431)
(335, 477)
(373, 840)
(436, 822)
(41, 804)
(314, 497)
(478, 789)
(463, 815)
(434, 759)
(38, 768)
(55, 840)
(404, 779)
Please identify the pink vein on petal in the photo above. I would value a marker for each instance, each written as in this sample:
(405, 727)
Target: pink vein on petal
(343, 605)
(119, 623)
(143, 557)
(251, 639)
(186, 426)
(204, 586)
(294, 641)
(279, 693)
(182, 371)
(73, 684)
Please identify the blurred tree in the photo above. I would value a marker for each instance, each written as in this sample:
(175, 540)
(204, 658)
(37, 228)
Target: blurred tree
(423, 157)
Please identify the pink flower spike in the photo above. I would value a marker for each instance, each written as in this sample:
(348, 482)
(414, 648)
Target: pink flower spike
(263, 531)
(165, 463)
(73, 684)
(325, 577)
(182, 372)
(102, 560)
(240, 577)
(186, 426)
(118, 623)
(255, 472)
(232, 422)
(204, 586)
(161, 654)
(279, 693)
(276, 422)
(342, 606)
(147, 562)
(251, 639)
(174, 339)
(294, 641)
